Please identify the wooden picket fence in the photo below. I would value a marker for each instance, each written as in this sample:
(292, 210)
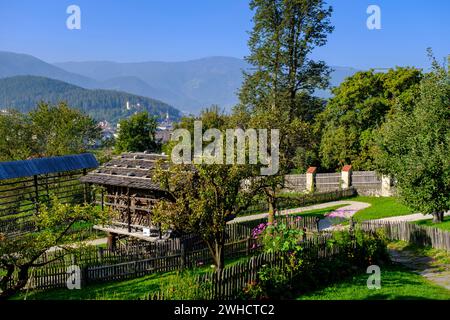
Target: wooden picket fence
(143, 258)
(55, 276)
(412, 233)
(230, 282)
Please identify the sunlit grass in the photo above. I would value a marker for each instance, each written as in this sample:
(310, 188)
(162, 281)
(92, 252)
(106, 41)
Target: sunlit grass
(381, 207)
(397, 283)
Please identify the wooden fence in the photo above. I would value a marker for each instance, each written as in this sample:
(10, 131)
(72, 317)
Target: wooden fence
(328, 181)
(230, 282)
(412, 233)
(143, 258)
(136, 264)
(366, 179)
(296, 182)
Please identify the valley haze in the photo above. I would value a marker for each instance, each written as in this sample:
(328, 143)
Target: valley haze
(188, 86)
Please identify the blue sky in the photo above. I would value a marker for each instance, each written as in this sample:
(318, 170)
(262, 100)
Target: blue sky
(174, 30)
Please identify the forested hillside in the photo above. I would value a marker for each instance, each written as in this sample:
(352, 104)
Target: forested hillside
(24, 92)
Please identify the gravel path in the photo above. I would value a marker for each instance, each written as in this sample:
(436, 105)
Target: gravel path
(350, 208)
(95, 242)
(411, 217)
(423, 265)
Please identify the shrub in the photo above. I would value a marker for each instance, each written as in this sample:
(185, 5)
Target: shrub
(304, 269)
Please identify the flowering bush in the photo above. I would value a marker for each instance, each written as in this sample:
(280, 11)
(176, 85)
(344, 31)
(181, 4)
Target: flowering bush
(253, 290)
(339, 215)
(281, 237)
(258, 230)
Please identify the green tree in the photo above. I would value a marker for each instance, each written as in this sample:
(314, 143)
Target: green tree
(59, 130)
(415, 147)
(277, 93)
(16, 136)
(358, 108)
(137, 133)
(202, 199)
(48, 130)
(19, 254)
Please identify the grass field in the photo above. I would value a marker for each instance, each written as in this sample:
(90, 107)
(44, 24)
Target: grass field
(381, 207)
(429, 223)
(397, 283)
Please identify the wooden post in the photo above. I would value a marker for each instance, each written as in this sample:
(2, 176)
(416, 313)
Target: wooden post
(128, 210)
(100, 254)
(36, 194)
(247, 251)
(86, 189)
(317, 223)
(46, 187)
(182, 255)
(103, 200)
(84, 276)
(111, 242)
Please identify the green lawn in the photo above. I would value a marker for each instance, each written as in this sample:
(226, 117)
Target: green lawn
(429, 223)
(396, 283)
(381, 207)
(120, 290)
(123, 290)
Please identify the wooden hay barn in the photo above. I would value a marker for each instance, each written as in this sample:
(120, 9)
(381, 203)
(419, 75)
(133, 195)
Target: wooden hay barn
(27, 183)
(127, 187)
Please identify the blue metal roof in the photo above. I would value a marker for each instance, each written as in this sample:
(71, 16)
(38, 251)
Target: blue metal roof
(28, 168)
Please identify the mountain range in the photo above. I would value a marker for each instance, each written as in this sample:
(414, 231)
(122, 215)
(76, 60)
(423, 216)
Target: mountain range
(188, 86)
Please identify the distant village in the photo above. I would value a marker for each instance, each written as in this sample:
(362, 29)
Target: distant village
(163, 131)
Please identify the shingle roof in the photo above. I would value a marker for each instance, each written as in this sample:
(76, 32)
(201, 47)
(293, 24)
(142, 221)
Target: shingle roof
(132, 170)
(38, 166)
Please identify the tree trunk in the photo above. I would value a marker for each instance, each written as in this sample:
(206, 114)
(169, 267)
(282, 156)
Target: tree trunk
(271, 199)
(219, 256)
(271, 217)
(438, 217)
(22, 279)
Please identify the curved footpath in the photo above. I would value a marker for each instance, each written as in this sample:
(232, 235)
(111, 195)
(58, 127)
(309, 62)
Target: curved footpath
(349, 209)
(411, 217)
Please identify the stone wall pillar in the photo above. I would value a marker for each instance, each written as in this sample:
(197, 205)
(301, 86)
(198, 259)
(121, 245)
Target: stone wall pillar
(311, 179)
(386, 183)
(346, 177)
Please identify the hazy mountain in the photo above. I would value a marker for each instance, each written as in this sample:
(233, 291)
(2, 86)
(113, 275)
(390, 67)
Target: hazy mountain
(189, 85)
(23, 93)
(138, 86)
(16, 64)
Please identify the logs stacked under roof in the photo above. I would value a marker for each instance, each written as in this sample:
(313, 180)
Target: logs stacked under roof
(130, 170)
